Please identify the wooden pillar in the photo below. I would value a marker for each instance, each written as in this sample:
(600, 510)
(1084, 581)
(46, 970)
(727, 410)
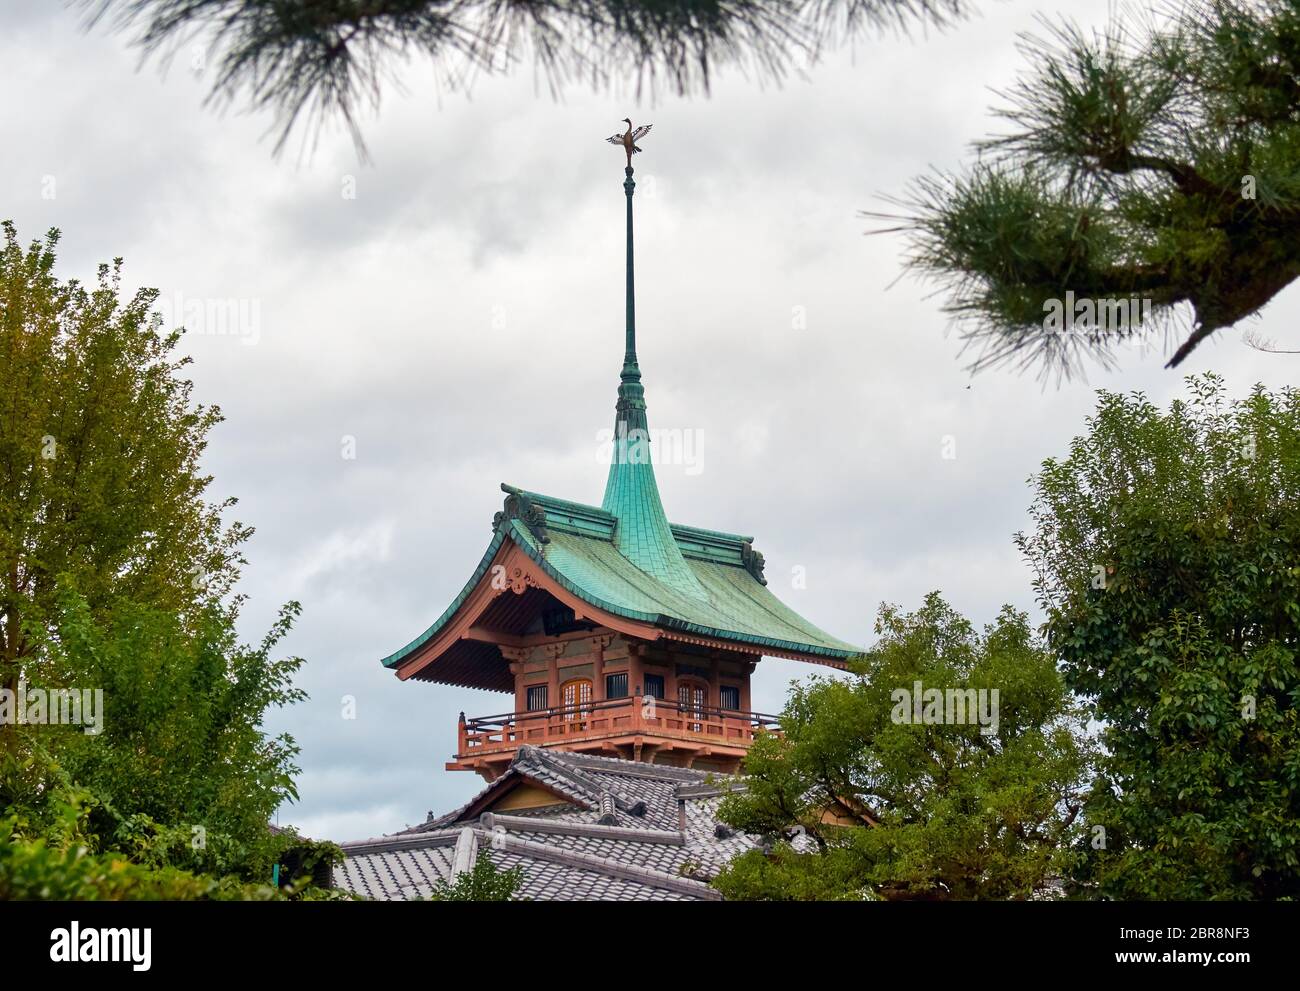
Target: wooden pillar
(670, 679)
(746, 671)
(715, 693)
(516, 656)
(552, 679)
(635, 672)
(521, 695)
(598, 669)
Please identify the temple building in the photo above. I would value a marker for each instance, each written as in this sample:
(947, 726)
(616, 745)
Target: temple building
(612, 632)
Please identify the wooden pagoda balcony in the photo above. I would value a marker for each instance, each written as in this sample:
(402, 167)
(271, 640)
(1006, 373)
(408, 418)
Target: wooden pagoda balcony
(627, 727)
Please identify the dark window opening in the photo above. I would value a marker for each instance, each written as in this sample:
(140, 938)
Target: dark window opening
(729, 698)
(616, 685)
(654, 685)
(536, 697)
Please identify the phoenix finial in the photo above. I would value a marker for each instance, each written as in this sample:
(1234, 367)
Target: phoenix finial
(629, 139)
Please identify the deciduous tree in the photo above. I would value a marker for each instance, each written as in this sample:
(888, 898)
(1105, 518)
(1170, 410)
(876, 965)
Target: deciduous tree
(1167, 552)
(116, 577)
(863, 800)
(100, 446)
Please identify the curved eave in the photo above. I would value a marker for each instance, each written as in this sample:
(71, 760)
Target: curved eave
(513, 530)
(396, 658)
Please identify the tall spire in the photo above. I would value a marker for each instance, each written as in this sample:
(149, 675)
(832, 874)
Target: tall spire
(631, 394)
(643, 534)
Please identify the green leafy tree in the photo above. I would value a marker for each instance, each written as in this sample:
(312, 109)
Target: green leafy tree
(116, 576)
(1158, 159)
(305, 58)
(861, 801)
(484, 882)
(100, 480)
(1167, 550)
(180, 771)
(38, 870)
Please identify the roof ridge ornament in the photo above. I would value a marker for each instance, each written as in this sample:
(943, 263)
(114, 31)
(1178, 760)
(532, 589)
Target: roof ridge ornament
(466, 853)
(753, 561)
(518, 506)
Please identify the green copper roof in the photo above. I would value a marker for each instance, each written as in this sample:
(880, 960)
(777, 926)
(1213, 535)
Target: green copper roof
(643, 534)
(574, 544)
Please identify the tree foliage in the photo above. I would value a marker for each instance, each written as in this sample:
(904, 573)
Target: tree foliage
(314, 60)
(484, 882)
(116, 576)
(862, 804)
(38, 870)
(1167, 549)
(100, 441)
(1157, 159)
(181, 772)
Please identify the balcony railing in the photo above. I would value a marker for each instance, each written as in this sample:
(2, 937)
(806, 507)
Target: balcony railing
(611, 718)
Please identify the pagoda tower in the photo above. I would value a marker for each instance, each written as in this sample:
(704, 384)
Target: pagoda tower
(614, 631)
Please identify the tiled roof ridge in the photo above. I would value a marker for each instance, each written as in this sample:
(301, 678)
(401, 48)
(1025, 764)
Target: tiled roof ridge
(438, 823)
(632, 768)
(466, 855)
(709, 789)
(588, 520)
(601, 865)
(401, 841)
(523, 824)
(595, 789)
(579, 796)
(452, 818)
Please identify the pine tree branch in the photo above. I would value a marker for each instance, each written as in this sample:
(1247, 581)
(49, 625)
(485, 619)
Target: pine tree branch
(1159, 157)
(324, 59)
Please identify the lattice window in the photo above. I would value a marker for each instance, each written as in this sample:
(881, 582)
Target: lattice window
(691, 699)
(576, 698)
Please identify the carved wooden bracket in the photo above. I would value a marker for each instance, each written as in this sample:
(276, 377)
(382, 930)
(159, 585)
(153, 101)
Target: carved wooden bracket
(515, 654)
(602, 642)
(555, 650)
(520, 579)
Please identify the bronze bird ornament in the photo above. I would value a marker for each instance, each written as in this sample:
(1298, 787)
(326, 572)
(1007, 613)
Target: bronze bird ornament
(629, 139)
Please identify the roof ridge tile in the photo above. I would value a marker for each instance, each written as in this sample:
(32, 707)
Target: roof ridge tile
(607, 866)
(401, 841)
(549, 760)
(492, 820)
(633, 768)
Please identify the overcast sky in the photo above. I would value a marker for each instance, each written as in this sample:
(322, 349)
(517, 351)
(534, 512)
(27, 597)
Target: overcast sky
(459, 321)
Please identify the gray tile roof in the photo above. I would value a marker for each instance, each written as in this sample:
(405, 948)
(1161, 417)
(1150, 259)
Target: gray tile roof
(622, 831)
